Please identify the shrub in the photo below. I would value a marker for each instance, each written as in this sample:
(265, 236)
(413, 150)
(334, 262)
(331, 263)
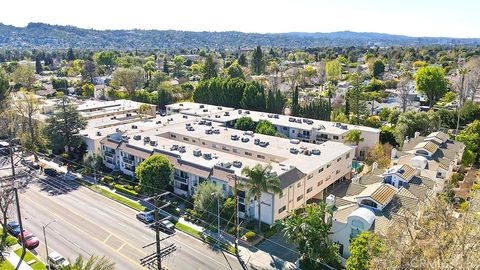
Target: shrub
(107, 179)
(111, 185)
(231, 230)
(125, 190)
(270, 232)
(250, 235)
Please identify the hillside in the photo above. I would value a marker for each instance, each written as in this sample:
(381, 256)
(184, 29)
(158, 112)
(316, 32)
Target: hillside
(39, 35)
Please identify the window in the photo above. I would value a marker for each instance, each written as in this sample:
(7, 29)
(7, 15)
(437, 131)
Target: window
(248, 154)
(235, 150)
(285, 128)
(328, 177)
(320, 183)
(347, 156)
(335, 138)
(321, 170)
(203, 143)
(281, 209)
(309, 176)
(224, 148)
(214, 145)
(293, 130)
(194, 141)
(328, 165)
(309, 189)
(260, 156)
(173, 135)
(299, 184)
(186, 139)
(369, 203)
(362, 153)
(299, 197)
(357, 224)
(337, 172)
(338, 159)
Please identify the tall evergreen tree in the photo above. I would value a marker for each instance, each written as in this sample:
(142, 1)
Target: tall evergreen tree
(209, 68)
(295, 106)
(166, 70)
(70, 55)
(242, 60)
(38, 65)
(258, 61)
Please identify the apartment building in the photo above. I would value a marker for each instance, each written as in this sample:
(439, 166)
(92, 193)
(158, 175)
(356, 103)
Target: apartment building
(303, 129)
(202, 150)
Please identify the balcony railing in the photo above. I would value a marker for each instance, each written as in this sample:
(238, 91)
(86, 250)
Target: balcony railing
(303, 136)
(108, 154)
(128, 161)
(180, 178)
(130, 168)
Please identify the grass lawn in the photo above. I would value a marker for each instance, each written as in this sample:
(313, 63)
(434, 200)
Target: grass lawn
(10, 239)
(208, 239)
(118, 198)
(38, 265)
(6, 265)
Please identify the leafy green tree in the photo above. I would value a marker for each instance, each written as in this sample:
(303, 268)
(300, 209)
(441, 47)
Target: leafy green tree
(253, 97)
(242, 60)
(105, 60)
(235, 71)
(309, 230)
(333, 70)
(378, 68)
(178, 62)
(265, 127)
(431, 81)
(245, 123)
(165, 97)
(209, 68)
(4, 87)
(258, 61)
(88, 90)
(470, 136)
(93, 263)
(92, 163)
(89, 70)
(28, 106)
(206, 198)
(130, 78)
(354, 136)
(64, 125)
(362, 250)
(410, 122)
(388, 135)
(24, 75)
(154, 174)
(259, 179)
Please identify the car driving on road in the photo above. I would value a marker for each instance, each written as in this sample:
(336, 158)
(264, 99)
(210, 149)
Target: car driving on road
(30, 240)
(145, 217)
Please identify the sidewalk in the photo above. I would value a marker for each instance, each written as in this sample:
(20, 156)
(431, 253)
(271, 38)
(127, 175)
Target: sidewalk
(14, 259)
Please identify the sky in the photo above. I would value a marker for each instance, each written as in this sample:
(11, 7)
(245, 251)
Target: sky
(449, 18)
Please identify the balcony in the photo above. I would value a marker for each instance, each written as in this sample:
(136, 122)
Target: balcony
(109, 160)
(303, 136)
(109, 154)
(129, 168)
(128, 160)
(180, 178)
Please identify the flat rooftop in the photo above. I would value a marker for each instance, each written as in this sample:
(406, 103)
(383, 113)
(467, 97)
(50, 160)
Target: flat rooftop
(289, 121)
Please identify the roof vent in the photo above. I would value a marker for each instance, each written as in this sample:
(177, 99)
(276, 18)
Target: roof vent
(158, 122)
(344, 127)
(248, 132)
(294, 150)
(247, 112)
(291, 119)
(202, 106)
(134, 126)
(226, 114)
(294, 141)
(181, 149)
(269, 115)
(263, 144)
(208, 123)
(225, 165)
(190, 128)
(276, 116)
(153, 143)
(205, 110)
(216, 131)
(137, 137)
(316, 151)
(185, 116)
(174, 147)
(146, 139)
(234, 137)
(245, 139)
(256, 142)
(208, 131)
(99, 133)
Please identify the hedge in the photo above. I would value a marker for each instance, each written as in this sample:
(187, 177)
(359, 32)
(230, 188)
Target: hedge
(125, 191)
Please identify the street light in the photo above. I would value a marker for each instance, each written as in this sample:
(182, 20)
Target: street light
(45, 237)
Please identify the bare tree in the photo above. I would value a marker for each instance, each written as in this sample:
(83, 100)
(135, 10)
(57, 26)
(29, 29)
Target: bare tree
(473, 77)
(404, 90)
(435, 237)
(6, 203)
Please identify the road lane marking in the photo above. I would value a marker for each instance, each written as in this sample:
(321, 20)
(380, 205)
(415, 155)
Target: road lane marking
(122, 246)
(106, 239)
(75, 226)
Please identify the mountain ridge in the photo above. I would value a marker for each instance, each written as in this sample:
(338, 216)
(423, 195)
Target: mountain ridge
(48, 36)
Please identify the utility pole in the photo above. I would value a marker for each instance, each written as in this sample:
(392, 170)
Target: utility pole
(46, 244)
(235, 209)
(155, 259)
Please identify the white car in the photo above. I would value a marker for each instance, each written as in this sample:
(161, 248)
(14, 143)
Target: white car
(56, 261)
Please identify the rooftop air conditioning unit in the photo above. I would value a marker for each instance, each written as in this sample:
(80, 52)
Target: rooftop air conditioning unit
(146, 139)
(239, 111)
(316, 151)
(237, 164)
(245, 139)
(207, 156)
(294, 150)
(294, 141)
(99, 133)
(181, 149)
(137, 137)
(134, 127)
(256, 141)
(197, 152)
(202, 106)
(226, 114)
(153, 143)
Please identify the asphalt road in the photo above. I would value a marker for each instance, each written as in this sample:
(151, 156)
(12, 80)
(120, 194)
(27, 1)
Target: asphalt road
(87, 223)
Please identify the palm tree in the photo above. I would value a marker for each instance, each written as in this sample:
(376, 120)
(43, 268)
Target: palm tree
(93, 263)
(355, 137)
(260, 179)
